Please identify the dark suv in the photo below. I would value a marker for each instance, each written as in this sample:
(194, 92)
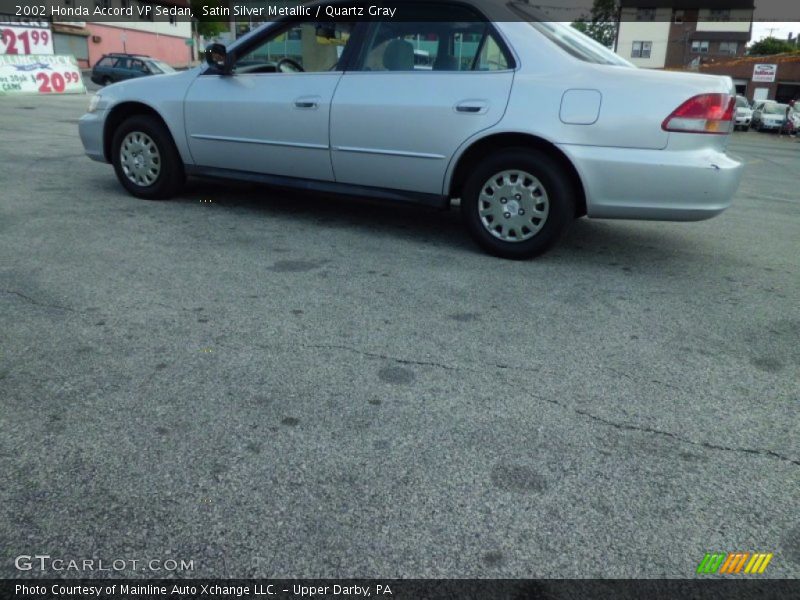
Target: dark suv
(118, 67)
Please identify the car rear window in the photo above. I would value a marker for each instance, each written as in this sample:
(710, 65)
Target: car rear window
(569, 39)
(741, 102)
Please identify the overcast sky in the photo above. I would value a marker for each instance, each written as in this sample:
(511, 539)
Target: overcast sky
(778, 30)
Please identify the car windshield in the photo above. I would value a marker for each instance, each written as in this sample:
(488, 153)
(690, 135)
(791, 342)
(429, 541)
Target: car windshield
(570, 39)
(775, 109)
(160, 67)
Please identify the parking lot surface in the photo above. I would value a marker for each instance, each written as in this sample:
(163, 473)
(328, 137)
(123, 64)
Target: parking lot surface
(270, 384)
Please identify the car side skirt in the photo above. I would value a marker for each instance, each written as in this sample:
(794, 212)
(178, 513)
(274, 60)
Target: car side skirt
(322, 187)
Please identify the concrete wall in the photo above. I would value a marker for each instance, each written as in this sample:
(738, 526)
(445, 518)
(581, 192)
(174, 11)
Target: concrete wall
(169, 48)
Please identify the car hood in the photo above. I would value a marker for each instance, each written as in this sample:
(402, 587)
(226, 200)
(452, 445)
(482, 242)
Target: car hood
(150, 85)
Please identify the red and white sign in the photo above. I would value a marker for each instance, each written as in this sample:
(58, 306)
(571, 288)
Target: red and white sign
(33, 37)
(765, 73)
(40, 74)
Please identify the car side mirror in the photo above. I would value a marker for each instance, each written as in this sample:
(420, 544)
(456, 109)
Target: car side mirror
(217, 57)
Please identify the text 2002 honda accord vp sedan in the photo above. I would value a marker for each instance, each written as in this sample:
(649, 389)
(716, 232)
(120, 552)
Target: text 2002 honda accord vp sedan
(528, 122)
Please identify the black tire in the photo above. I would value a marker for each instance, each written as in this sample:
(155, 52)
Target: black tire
(561, 195)
(171, 176)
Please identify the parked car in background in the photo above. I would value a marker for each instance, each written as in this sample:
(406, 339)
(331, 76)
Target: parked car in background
(526, 121)
(769, 115)
(119, 67)
(743, 115)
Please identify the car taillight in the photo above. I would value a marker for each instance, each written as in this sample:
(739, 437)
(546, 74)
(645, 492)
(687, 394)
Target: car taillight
(706, 113)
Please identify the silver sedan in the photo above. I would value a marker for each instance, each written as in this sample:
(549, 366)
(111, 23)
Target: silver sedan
(528, 122)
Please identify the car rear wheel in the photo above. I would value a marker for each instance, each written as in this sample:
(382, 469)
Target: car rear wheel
(145, 158)
(517, 203)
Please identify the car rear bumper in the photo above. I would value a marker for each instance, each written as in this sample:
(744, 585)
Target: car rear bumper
(90, 128)
(664, 185)
(743, 120)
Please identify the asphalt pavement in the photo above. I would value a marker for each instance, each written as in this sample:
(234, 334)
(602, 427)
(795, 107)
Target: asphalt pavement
(276, 385)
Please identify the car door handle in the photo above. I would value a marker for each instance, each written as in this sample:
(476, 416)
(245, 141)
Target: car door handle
(472, 107)
(307, 103)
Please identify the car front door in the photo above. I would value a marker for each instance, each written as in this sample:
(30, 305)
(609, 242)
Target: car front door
(396, 123)
(271, 114)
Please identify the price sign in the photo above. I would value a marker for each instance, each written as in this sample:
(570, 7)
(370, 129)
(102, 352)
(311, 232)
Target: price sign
(40, 74)
(25, 39)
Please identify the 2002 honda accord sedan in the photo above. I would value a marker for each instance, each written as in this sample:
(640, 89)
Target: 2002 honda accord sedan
(528, 122)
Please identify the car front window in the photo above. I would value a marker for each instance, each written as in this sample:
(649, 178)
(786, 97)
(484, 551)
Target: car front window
(313, 46)
(156, 66)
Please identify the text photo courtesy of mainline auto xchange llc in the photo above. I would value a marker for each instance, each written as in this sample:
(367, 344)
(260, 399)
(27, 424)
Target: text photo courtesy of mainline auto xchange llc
(414, 299)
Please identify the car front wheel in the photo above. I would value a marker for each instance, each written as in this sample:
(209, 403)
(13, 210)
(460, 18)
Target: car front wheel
(517, 203)
(145, 158)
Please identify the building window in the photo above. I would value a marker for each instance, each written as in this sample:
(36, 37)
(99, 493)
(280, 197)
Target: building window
(723, 14)
(645, 14)
(728, 48)
(641, 49)
(677, 17)
(700, 47)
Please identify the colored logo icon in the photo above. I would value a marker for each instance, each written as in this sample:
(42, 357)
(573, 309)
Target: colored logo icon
(734, 563)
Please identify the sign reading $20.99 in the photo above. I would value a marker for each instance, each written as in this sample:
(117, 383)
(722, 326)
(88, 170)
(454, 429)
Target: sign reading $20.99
(40, 74)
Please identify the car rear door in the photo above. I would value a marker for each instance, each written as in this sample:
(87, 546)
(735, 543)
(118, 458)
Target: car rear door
(396, 124)
(137, 68)
(119, 72)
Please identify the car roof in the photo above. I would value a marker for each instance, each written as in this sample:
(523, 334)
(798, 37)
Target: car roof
(496, 11)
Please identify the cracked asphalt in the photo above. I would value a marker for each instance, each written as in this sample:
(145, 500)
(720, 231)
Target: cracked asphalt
(276, 385)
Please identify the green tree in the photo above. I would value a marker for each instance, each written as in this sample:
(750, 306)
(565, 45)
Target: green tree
(601, 25)
(770, 45)
(209, 26)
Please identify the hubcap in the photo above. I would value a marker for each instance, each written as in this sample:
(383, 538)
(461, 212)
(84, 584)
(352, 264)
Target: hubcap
(140, 158)
(513, 205)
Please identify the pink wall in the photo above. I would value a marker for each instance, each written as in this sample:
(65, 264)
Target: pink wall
(172, 50)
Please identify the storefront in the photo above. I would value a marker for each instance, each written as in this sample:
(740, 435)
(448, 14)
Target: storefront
(762, 77)
(72, 38)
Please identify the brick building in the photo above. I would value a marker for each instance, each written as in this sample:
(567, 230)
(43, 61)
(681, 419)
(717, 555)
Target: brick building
(686, 34)
(776, 77)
